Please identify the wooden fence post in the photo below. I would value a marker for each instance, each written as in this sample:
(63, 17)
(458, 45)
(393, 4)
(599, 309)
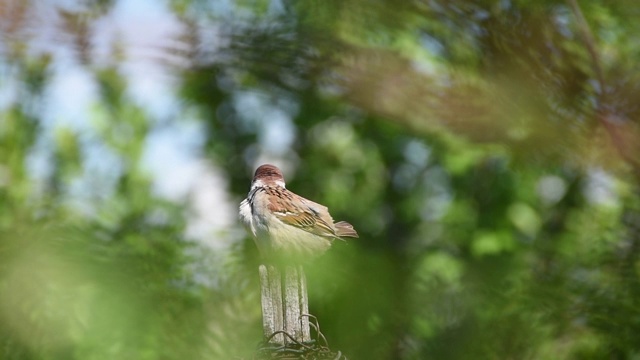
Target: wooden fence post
(284, 303)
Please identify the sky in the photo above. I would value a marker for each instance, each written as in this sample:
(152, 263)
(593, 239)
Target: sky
(148, 33)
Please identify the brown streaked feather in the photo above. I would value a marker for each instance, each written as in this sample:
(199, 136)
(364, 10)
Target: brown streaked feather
(310, 217)
(343, 228)
(318, 227)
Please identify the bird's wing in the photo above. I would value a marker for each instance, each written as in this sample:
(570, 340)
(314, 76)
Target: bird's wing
(304, 214)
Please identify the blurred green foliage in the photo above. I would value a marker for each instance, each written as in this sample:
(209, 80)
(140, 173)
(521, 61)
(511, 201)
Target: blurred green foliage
(486, 155)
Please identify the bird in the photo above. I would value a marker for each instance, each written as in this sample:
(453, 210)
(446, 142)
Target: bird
(286, 224)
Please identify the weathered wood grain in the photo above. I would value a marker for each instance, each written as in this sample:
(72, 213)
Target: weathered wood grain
(284, 303)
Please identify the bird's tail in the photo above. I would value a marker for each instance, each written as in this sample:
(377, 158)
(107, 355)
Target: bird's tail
(345, 229)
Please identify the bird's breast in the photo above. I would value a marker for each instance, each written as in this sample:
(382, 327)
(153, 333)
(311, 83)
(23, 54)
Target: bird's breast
(274, 236)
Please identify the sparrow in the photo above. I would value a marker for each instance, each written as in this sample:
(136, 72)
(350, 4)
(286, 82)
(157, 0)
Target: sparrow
(284, 223)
